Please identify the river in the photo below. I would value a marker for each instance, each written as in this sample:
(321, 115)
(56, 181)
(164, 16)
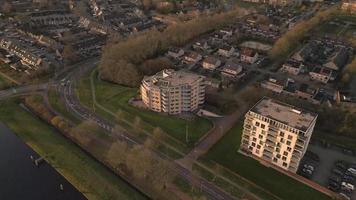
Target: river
(20, 179)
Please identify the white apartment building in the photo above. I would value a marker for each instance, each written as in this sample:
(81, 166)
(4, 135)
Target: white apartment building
(277, 133)
(173, 92)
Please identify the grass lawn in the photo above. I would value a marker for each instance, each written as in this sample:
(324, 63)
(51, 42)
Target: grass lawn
(335, 29)
(115, 97)
(87, 175)
(225, 153)
(342, 141)
(58, 105)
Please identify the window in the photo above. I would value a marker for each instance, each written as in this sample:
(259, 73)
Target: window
(275, 159)
(285, 164)
(253, 144)
(254, 139)
(257, 124)
(263, 126)
(257, 151)
(260, 136)
(281, 134)
(289, 149)
(290, 137)
(261, 142)
(258, 146)
(284, 158)
(288, 142)
(251, 148)
(278, 156)
(278, 149)
(285, 153)
(282, 140)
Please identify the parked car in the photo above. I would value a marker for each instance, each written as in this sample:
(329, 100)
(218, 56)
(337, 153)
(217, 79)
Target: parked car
(352, 171)
(334, 187)
(347, 186)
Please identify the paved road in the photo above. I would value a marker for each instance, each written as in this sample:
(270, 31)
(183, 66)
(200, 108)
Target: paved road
(24, 90)
(84, 113)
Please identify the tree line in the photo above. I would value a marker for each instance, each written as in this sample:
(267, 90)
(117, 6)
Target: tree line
(122, 62)
(138, 162)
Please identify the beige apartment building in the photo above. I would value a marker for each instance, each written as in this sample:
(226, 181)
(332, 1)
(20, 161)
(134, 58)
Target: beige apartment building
(277, 133)
(173, 92)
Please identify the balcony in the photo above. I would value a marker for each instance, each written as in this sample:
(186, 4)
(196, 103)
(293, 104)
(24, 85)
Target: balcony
(267, 156)
(270, 142)
(298, 147)
(247, 137)
(300, 143)
(269, 148)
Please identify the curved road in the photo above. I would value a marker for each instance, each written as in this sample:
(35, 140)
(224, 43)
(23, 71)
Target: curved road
(66, 88)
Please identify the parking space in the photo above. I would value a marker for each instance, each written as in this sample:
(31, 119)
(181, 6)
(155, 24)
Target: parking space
(331, 167)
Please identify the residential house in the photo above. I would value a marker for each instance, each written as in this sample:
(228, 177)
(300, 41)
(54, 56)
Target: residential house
(202, 45)
(304, 91)
(274, 85)
(232, 69)
(192, 57)
(175, 52)
(249, 55)
(321, 74)
(227, 31)
(226, 51)
(211, 63)
(292, 67)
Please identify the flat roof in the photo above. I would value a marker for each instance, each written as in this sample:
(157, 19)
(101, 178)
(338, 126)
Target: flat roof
(284, 113)
(171, 78)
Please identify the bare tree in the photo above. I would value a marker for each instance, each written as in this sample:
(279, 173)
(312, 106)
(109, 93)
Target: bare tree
(117, 153)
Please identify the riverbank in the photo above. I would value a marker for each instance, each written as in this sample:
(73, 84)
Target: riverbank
(91, 178)
(19, 173)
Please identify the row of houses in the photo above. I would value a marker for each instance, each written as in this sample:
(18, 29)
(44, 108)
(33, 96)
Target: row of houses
(289, 86)
(321, 61)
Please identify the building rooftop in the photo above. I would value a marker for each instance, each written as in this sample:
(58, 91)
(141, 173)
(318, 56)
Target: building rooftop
(169, 78)
(284, 113)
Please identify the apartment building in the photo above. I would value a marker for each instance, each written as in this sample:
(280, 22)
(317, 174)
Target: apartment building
(173, 92)
(277, 133)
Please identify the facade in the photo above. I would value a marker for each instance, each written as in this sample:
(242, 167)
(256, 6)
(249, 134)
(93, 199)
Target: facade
(175, 52)
(192, 57)
(321, 74)
(226, 51)
(231, 69)
(211, 63)
(173, 92)
(277, 133)
(249, 55)
(349, 5)
(292, 67)
(274, 85)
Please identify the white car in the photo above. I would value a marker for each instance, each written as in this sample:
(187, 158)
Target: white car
(352, 171)
(348, 186)
(311, 168)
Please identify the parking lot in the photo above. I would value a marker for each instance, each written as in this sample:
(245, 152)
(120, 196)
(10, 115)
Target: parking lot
(331, 167)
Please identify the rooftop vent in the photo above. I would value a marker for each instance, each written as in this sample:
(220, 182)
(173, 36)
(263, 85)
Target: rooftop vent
(296, 111)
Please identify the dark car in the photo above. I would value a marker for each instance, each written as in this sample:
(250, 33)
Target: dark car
(334, 187)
